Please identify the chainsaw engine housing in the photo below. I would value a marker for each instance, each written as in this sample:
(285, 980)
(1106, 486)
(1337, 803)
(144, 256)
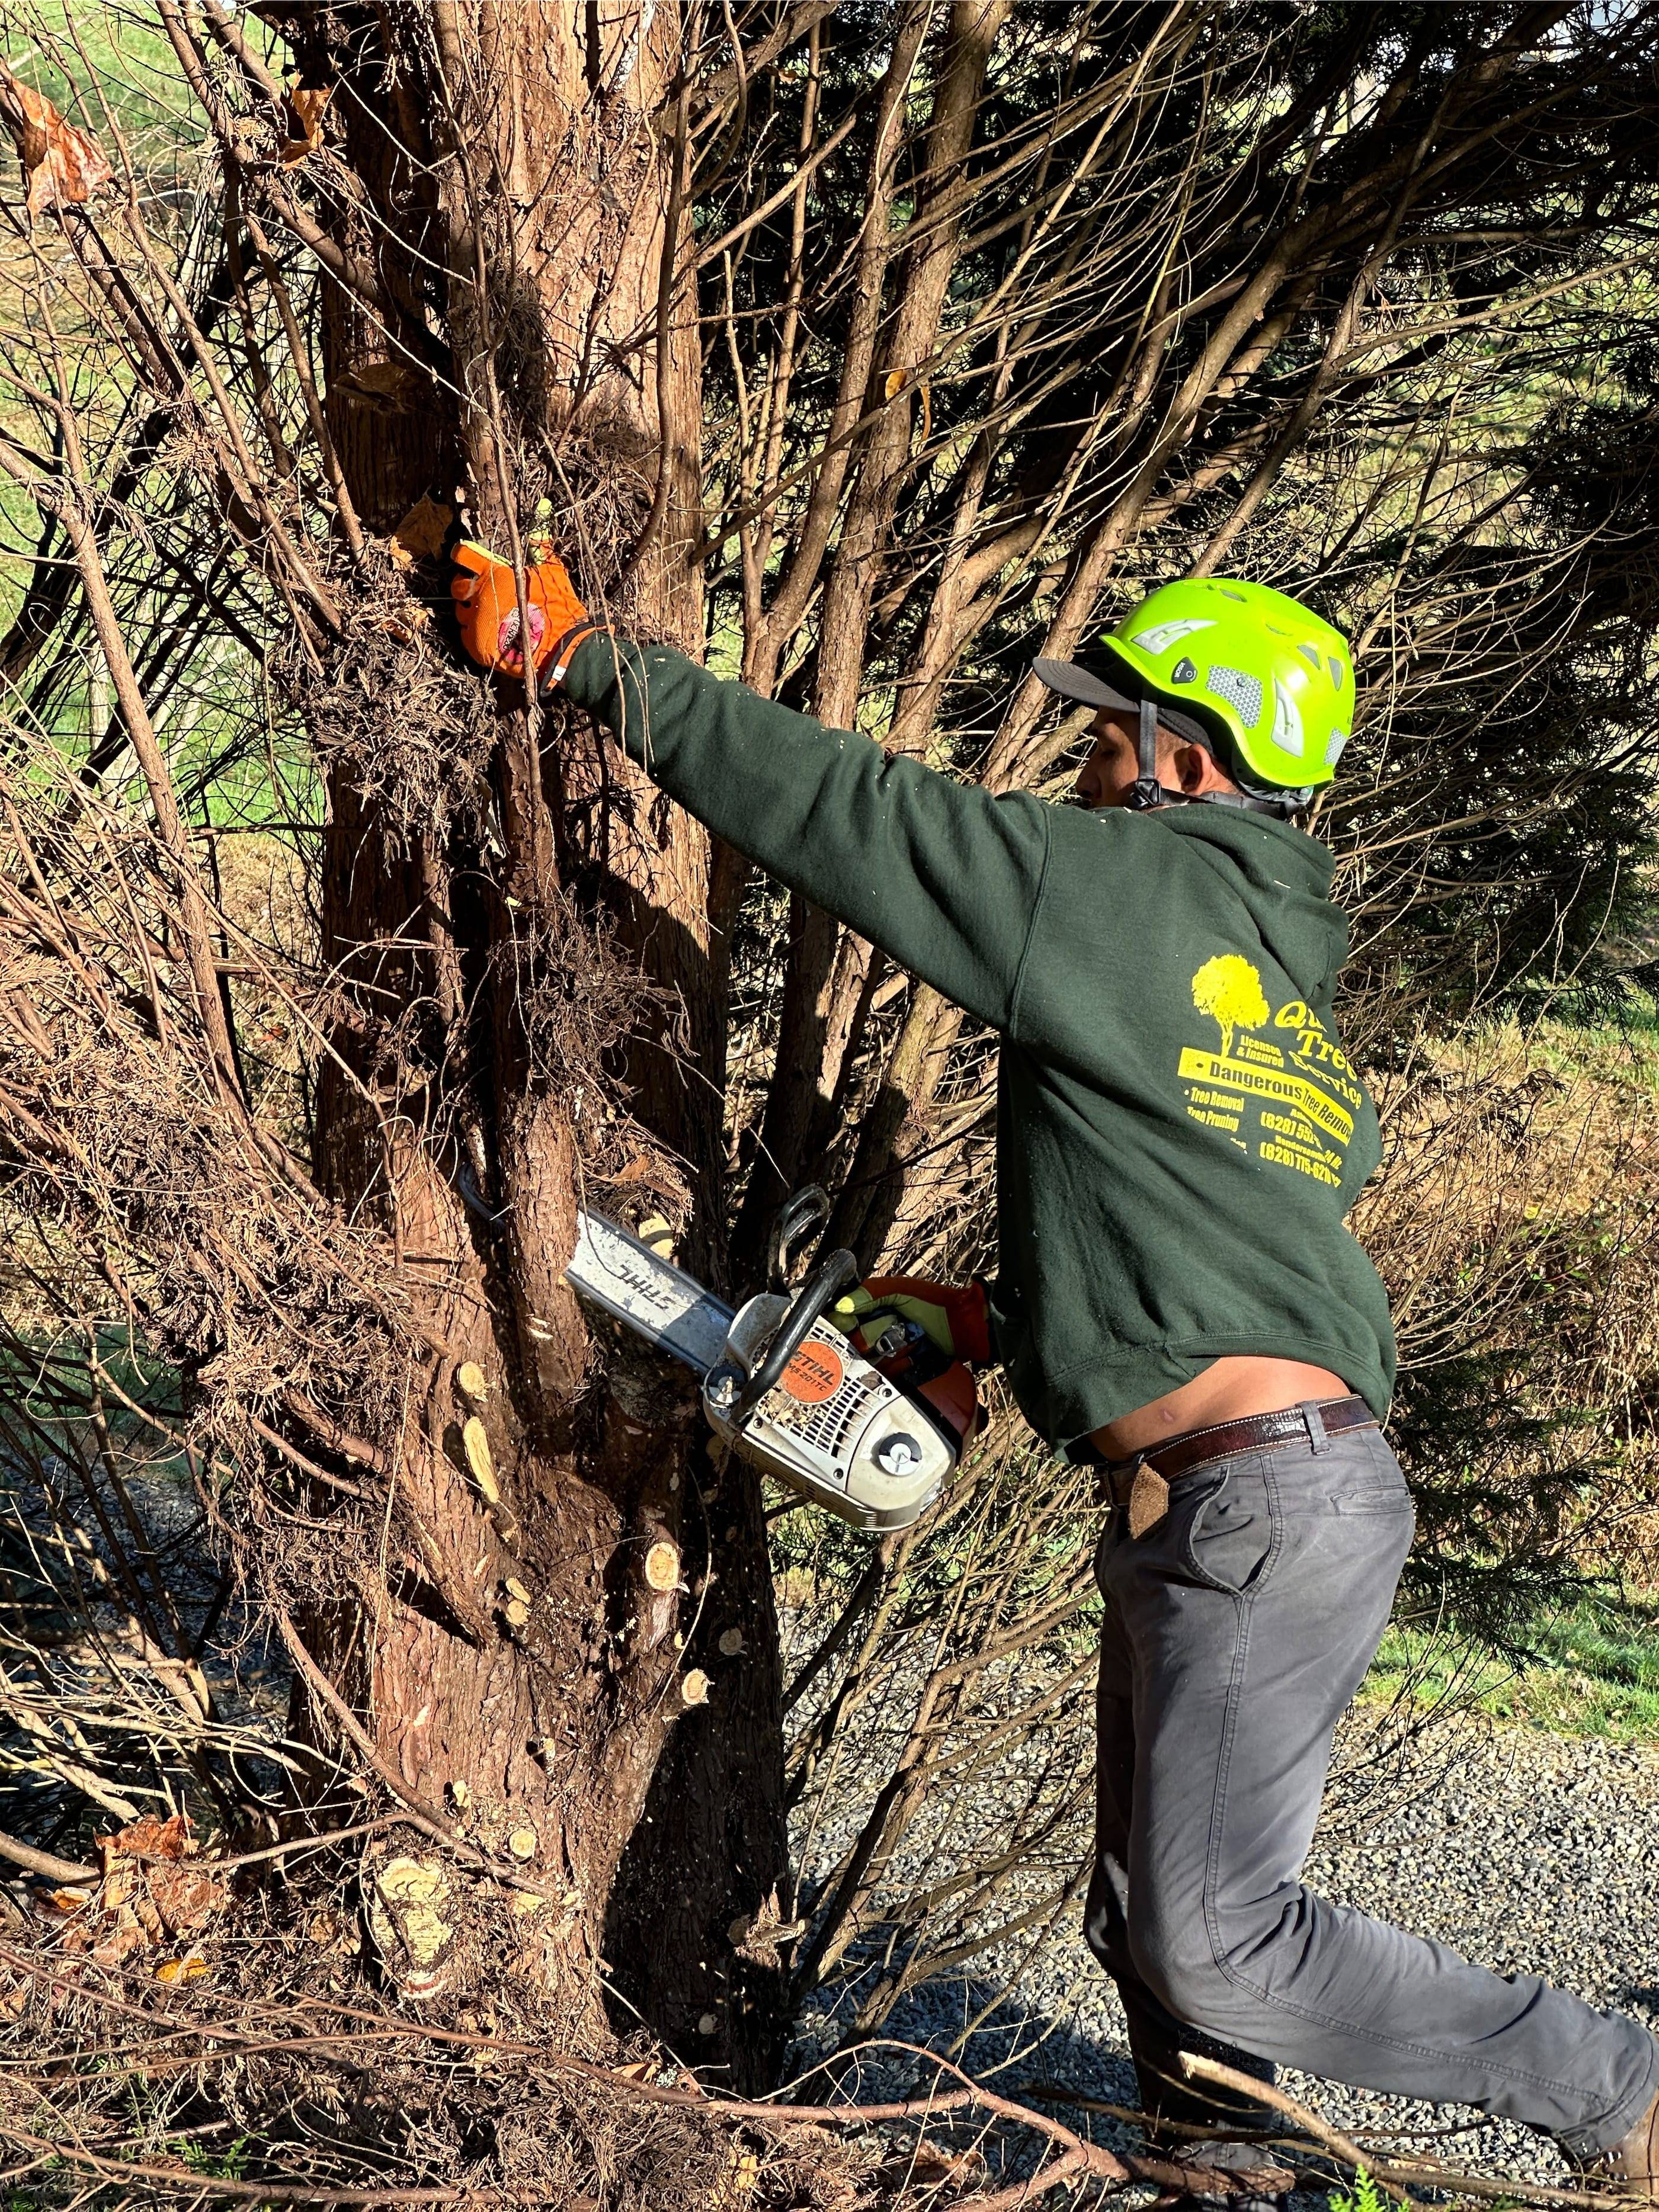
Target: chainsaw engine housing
(831, 1427)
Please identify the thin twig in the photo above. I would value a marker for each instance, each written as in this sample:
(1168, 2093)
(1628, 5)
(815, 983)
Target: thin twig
(1230, 2077)
(43, 1862)
(1393, 2174)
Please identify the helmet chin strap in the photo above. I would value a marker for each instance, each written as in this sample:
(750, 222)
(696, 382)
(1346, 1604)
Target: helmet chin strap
(1147, 792)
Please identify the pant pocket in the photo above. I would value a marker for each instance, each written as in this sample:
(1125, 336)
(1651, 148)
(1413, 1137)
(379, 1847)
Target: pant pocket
(1368, 1481)
(1227, 1540)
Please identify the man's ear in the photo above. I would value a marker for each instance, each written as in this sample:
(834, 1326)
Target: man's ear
(1191, 764)
(1196, 771)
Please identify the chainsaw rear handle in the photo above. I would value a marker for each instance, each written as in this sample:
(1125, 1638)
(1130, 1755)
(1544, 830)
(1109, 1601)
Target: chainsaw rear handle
(833, 1275)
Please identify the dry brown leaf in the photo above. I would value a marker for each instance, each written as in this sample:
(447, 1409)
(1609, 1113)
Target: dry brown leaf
(744, 2176)
(110, 1950)
(330, 1932)
(383, 381)
(53, 1904)
(185, 1897)
(964, 2168)
(420, 536)
(305, 105)
(930, 2166)
(895, 382)
(179, 1896)
(61, 164)
(407, 627)
(150, 1838)
(189, 1968)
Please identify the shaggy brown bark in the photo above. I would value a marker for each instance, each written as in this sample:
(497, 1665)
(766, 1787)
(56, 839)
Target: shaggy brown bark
(570, 365)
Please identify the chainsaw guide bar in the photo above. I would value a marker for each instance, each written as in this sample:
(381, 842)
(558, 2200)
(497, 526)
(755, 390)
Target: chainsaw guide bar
(831, 1426)
(658, 1301)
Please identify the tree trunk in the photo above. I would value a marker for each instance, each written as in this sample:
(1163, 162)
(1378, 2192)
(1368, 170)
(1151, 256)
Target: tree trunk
(575, 1653)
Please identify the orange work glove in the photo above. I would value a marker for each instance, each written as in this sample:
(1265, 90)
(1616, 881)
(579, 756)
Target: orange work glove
(952, 1316)
(487, 608)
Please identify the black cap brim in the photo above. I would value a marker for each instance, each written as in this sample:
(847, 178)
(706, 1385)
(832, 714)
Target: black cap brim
(1073, 681)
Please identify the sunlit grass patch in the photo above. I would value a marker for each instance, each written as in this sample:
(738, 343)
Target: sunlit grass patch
(1593, 1670)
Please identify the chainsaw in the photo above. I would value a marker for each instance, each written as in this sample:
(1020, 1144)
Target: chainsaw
(871, 1439)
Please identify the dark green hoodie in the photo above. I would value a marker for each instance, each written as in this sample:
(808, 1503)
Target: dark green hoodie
(1179, 1133)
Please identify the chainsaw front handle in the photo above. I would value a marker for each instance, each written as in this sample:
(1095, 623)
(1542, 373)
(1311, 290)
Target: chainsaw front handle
(833, 1275)
(797, 1217)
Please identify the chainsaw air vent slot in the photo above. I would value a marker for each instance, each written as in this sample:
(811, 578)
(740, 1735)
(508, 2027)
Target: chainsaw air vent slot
(824, 1426)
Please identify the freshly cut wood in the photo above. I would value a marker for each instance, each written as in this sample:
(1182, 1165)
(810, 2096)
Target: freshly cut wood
(475, 1440)
(662, 1565)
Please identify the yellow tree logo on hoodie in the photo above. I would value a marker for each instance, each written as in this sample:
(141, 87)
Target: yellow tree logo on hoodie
(1229, 990)
(1289, 1099)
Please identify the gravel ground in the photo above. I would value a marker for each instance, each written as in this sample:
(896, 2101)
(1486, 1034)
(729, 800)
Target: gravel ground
(1529, 1852)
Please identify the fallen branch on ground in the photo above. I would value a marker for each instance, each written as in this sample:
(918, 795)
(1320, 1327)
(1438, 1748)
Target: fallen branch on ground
(1392, 2175)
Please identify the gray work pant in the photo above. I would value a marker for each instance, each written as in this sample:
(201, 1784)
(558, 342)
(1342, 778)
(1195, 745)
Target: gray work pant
(1236, 1632)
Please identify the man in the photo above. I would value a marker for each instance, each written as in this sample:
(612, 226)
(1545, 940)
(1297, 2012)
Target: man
(1180, 1136)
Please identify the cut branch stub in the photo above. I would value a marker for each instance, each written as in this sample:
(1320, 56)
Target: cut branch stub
(475, 1440)
(662, 1565)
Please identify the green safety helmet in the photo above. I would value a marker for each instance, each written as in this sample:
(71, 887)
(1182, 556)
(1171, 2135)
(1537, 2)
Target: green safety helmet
(1253, 676)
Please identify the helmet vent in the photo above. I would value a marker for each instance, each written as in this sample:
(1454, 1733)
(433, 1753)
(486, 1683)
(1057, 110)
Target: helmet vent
(1287, 732)
(1162, 635)
(1242, 691)
(1338, 672)
(1310, 653)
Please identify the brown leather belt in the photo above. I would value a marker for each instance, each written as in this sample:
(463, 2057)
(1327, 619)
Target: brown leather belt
(1143, 1483)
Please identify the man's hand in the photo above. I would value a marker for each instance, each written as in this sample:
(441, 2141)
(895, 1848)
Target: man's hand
(487, 607)
(951, 1317)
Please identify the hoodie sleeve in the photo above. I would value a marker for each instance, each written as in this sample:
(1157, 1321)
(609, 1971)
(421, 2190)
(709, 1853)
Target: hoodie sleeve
(944, 878)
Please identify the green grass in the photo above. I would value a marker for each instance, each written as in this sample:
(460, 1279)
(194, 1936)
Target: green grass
(1366, 2197)
(1593, 1672)
(1618, 1051)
